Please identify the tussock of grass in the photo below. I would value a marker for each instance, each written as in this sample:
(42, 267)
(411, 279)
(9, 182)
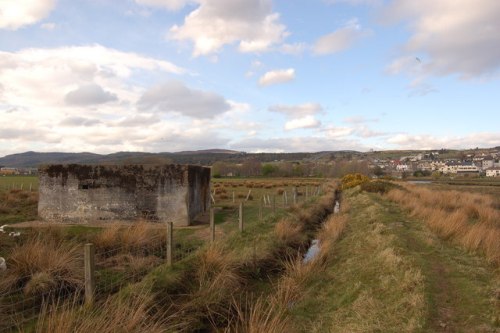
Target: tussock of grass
(42, 265)
(289, 232)
(115, 315)
(138, 238)
(257, 316)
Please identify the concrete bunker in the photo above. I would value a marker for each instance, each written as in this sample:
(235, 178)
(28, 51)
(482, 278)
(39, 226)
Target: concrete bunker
(165, 193)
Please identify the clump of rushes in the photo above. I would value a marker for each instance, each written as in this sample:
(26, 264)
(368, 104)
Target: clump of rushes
(131, 314)
(257, 316)
(138, 238)
(43, 265)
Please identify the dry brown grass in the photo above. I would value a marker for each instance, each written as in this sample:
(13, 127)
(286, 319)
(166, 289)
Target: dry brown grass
(115, 315)
(43, 265)
(258, 316)
(215, 279)
(138, 238)
(470, 219)
(289, 232)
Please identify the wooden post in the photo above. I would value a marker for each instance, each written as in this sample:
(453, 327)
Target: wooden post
(212, 225)
(260, 208)
(170, 242)
(31, 185)
(241, 217)
(22, 185)
(307, 192)
(233, 196)
(274, 204)
(89, 262)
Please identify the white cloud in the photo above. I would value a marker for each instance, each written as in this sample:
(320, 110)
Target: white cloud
(425, 141)
(297, 111)
(15, 14)
(58, 99)
(366, 132)
(359, 120)
(296, 144)
(168, 4)
(216, 23)
(457, 36)
(89, 94)
(340, 39)
(277, 76)
(175, 97)
(293, 49)
(48, 26)
(304, 122)
(354, 2)
(337, 132)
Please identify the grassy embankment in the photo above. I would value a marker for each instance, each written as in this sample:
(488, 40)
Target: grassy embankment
(392, 273)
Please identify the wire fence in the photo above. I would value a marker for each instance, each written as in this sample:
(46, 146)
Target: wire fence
(118, 264)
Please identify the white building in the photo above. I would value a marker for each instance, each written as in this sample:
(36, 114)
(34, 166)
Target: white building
(493, 172)
(467, 169)
(487, 163)
(446, 169)
(402, 167)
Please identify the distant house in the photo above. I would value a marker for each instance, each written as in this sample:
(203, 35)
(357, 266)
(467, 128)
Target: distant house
(402, 167)
(467, 168)
(448, 168)
(493, 172)
(9, 171)
(487, 162)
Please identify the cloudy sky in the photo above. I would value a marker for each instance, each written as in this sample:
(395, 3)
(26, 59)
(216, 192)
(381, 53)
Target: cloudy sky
(252, 75)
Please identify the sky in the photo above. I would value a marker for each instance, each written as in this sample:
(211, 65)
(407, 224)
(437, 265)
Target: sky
(249, 75)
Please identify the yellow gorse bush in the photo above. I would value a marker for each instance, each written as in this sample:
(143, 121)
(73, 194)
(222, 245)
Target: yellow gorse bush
(353, 180)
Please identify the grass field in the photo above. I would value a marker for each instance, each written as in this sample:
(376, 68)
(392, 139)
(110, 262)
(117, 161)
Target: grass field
(18, 182)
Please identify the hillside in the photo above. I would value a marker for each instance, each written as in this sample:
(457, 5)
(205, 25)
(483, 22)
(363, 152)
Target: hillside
(202, 157)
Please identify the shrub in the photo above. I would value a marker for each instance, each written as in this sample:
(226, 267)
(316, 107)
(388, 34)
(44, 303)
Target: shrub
(353, 180)
(377, 187)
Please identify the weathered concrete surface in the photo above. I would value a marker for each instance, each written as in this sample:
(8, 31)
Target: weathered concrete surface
(82, 193)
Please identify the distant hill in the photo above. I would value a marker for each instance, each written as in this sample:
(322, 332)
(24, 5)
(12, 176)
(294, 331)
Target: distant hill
(203, 157)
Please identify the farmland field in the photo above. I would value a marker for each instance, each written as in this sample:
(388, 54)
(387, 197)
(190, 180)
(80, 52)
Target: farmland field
(18, 182)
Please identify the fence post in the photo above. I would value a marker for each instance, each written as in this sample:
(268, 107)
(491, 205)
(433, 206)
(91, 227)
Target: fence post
(241, 217)
(260, 208)
(22, 185)
(212, 225)
(295, 195)
(31, 185)
(170, 242)
(307, 192)
(89, 262)
(274, 204)
(233, 196)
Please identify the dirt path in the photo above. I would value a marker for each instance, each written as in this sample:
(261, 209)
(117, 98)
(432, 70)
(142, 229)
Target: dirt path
(460, 286)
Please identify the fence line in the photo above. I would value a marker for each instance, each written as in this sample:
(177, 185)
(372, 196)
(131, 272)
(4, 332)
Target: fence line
(164, 247)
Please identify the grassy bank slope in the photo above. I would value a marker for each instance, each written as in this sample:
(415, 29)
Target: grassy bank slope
(389, 273)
